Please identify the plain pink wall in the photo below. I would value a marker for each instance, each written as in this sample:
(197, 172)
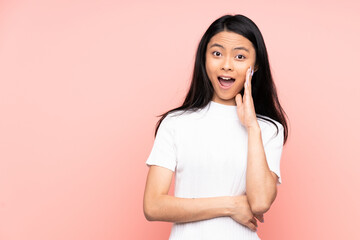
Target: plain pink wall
(81, 83)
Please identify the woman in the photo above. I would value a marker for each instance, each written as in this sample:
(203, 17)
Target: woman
(224, 143)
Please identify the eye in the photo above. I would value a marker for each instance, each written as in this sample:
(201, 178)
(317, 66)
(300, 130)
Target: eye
(215, 52)
(241, 55)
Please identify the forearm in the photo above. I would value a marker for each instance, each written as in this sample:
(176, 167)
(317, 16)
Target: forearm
(173, 209)
(259, 181)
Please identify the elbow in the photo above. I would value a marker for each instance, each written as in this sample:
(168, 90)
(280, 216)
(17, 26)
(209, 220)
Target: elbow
(149, 214)
(259, 209)
(260, 205)
(148, 210)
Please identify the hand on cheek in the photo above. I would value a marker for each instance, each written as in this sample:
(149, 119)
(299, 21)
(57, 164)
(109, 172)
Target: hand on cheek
(245, 104)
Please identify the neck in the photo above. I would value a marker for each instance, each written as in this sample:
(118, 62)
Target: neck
(223, 111)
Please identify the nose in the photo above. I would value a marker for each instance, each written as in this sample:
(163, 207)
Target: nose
(227, 64)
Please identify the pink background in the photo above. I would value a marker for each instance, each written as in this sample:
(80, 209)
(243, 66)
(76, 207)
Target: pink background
(81, 83)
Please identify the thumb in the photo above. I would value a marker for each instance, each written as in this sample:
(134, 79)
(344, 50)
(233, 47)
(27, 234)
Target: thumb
(238, 99)
(260, 217)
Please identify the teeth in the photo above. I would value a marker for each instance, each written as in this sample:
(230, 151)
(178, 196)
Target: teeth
(225, 78)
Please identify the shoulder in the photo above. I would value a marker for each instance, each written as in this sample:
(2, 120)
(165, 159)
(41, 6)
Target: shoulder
(181, 116)
(172, 119)
(180, 122)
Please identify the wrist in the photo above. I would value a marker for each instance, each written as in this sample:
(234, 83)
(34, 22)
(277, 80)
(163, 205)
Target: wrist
(254, 128)
(233, 204)
(230, 206)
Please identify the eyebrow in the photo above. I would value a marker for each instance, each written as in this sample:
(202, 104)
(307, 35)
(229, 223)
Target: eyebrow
(218, 45)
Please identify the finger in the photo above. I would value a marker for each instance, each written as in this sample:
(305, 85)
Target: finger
(253, 220)
(252, 226)
(238, 99)
(246, 88)
(252, 73)
(260, 217)
(246, 96)
(249, 80)
(245, 91)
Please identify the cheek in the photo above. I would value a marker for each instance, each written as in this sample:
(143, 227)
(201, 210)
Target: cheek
(242, 77)
(210, 68)
(243, 71)
(211, 63)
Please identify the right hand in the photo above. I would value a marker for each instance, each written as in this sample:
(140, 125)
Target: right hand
(242, 213)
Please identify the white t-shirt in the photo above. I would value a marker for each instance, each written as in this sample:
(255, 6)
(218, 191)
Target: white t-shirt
(207, 150)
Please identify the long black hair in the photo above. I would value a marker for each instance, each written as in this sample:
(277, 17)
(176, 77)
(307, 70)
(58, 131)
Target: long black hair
(264, 93)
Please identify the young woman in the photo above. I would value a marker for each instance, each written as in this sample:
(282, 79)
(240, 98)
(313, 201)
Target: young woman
(224, 143)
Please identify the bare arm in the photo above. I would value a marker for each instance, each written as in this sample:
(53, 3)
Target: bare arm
(174, 209)
(261, 188)
(159, 206)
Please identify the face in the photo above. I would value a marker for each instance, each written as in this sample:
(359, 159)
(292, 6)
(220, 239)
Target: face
(228, 54)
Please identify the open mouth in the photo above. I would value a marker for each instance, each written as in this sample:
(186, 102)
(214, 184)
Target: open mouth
(226, 82)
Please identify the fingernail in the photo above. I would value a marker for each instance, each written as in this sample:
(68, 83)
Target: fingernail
(252, 72)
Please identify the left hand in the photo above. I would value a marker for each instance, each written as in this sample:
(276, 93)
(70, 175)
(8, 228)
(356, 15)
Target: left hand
(245, 104)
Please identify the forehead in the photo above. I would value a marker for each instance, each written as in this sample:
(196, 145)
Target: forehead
(229, 39)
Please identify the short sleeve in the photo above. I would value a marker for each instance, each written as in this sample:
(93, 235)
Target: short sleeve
(163, 152)
(273, 148)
